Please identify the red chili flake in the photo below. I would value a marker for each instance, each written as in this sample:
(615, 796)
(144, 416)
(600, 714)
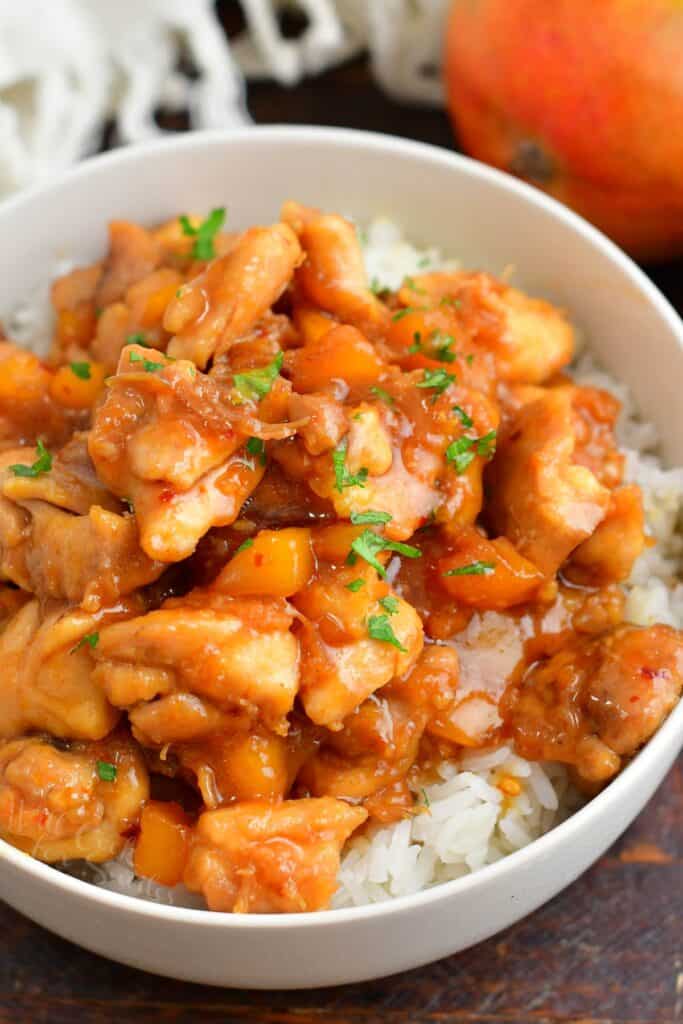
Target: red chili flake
(168, 494)
(258, 560)
(649, 673)
(634, 699)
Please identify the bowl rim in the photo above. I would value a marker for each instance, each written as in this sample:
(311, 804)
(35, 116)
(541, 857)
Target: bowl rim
(670, 732)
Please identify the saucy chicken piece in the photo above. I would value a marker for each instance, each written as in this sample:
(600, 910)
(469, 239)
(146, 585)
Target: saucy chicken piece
(65, 478)
(238, 655)
(379, 741)
(610, 552)
(262, 858)
(222, 303)
(133, 253)
(598, 701)
(164, 441)
(76, 803)
(352, 641)
(46, 682)
(333, 275)
(529, 339)
(541, 500)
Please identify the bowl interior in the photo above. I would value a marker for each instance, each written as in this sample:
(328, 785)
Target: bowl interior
(484, 219)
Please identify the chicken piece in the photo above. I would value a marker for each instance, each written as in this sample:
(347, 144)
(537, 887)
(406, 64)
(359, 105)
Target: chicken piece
(46, 682)
(238, 655)
(342, 662)
(379, 741)
(333, 274)
(133, 254)
(221, 304)
(595, 414)
(609, 554)
(77, 803)
(165, 441)
(326, 421)
(529, 339)
(73, 299)
(598, 701)
(27, 410)
(543, 502)
(264, 858)
(391, 460)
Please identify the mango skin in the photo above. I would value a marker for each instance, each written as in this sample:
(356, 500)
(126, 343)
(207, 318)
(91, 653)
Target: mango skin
(583, 98)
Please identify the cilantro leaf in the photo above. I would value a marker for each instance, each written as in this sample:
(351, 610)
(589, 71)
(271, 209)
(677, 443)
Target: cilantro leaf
(383, 395)
(417, 343)
(147, 364)
(255, 384)
(390, 604)
(400, 313)
(460, 453)
(342, 477)
(486, 445)
(473, 569)
(442, 344)
(409, 282)
(368, 545)
(81, 370)
(137, 339)
(43, 463)
(436, 380)
(106, 771)
(255, 446)
(355, 585)
(466, 420)
(90, 640)
(203, 248)
(245, 545)
(379, 628)
(370, 517)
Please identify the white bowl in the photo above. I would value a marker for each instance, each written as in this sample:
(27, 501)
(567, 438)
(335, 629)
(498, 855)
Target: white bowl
(490, 221)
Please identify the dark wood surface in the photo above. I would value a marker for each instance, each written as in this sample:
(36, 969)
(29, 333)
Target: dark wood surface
(608, 950)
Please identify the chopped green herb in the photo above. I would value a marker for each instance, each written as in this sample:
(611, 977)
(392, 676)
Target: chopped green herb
(390, 604)
(90, 640)
(342, 477)
(379, 628)
(469, 359)
(486, 445)
(255, 384)
(461, 452)
(362, 236)
(179, 293)
(370, 517)
(408, 282)
(450, 300)
(376, 286)
(473, 569)
(81, 370)
(466, 420)
(355, 585)
(417, 343)
(426, 799)
(203, 248)
(137, 339)
(98, 312)
(245, 545)
(369, 545)
(424, 261)
(43, 463)
(436, 380)
(147, 364)
(400, 313)
(442, 347)
(106, 771)
(383, 395)
(255, 446)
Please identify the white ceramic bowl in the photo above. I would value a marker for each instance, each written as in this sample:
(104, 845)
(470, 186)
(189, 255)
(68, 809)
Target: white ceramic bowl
(488, 220)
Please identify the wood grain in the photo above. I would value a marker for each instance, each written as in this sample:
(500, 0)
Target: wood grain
(609, 950)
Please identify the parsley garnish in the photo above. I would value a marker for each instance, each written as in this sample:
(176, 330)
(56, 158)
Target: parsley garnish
(436, 380)
(469, 359)
(426, 799)
(203, 248)
(379, 628)
(376, 286)
(417, 343)
(255, 446)
(408, 282)
(90, 640)
(255, 384)
(43, 463)
(370, 517)
(443, 343)
(383, 395)
(390, 604)
(473, 569)
(342, 477)
(106, 771)
(137, 339)
(245, 545)
(355, 585)
(81, 370)
(369, 545)
(466, 420)
(462, 452)
(400, 313)
(147, 364)
(450, 300)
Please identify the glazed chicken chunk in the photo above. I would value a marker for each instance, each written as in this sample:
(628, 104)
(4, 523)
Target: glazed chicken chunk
(263, 859)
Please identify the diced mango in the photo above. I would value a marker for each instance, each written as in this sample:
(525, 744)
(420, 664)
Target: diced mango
(311, 323)
(276, 563)
(162, 844)
(77, 390)
(342, 352)
(486, 573)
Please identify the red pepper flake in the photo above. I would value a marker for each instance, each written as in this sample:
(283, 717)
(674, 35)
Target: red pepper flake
(168, 494)
(258, 560)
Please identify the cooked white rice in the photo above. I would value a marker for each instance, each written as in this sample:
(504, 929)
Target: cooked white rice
(466, 821)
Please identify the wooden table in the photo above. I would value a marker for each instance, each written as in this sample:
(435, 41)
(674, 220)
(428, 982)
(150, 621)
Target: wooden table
(609, 949)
